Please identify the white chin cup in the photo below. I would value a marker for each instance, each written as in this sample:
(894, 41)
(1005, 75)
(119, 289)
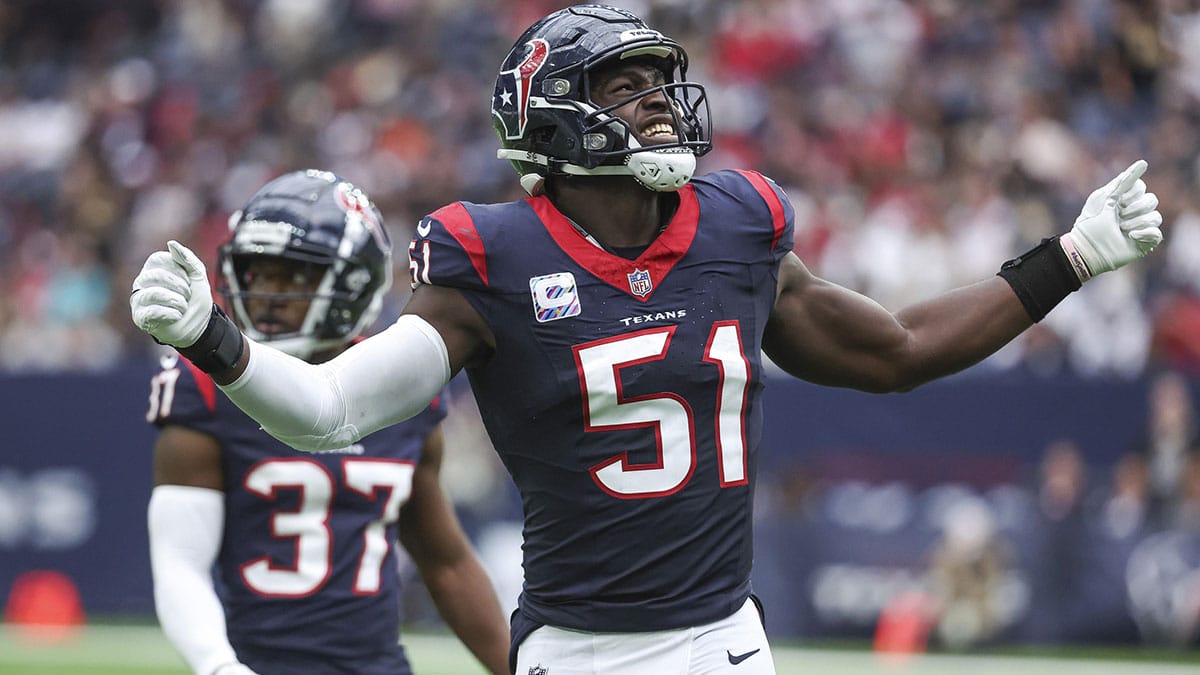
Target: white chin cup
(533, 184)
(662, 170)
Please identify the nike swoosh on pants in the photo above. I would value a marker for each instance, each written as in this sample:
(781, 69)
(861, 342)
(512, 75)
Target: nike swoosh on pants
(740, 657)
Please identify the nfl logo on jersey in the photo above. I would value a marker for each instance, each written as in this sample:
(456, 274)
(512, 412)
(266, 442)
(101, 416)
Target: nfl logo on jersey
(639, 283)
(539, 670)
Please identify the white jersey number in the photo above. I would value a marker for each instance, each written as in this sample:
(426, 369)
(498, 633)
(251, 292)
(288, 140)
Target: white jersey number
(607, 408)
(162, 394)
(309, 526)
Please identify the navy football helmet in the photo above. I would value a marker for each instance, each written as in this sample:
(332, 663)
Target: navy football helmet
(318, 218)
(548, 124)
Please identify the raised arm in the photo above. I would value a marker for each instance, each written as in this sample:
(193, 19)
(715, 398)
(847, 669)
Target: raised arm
(383, 379)
(824, 333)
(831, 335)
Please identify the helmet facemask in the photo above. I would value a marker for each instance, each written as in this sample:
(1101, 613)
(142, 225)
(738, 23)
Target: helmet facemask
(326, 226)
(332, 316)
(664, 167)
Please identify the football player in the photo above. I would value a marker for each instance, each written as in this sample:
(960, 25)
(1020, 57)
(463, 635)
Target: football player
(612, 325)
(303, 543)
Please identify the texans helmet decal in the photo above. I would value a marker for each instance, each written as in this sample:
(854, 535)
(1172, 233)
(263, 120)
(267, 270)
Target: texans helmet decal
(513, 113)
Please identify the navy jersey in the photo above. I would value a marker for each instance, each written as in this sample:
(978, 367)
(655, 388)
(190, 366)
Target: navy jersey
(624, 395)
(307, 565)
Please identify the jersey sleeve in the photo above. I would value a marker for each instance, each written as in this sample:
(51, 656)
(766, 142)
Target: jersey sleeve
(447, 250)
(182, 395)
(776, 209)
(755, 217)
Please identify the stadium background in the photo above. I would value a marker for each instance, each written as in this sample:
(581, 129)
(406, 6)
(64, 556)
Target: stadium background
(1050, 495)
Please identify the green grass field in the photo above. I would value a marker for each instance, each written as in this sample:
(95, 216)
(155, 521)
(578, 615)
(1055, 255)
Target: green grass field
(143, 650)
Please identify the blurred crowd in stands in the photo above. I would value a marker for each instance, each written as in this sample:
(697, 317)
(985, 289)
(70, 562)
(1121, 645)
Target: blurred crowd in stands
(922, 143)
(1053, 547)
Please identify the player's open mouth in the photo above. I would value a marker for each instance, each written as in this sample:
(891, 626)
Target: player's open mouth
(659, 131)
(269, 326)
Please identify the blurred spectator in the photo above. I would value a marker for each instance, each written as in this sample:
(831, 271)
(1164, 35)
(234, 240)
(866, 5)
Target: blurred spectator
(969, 575)
(1127, 507)
(1176, 327)
(1186, 515)
(1163, 587)
(1059, 609)
(1170, 442)
(1120, 523)
(1063, 481)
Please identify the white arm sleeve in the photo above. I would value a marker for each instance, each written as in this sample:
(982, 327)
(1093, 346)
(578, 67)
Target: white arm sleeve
(186, 525)
(385, 379)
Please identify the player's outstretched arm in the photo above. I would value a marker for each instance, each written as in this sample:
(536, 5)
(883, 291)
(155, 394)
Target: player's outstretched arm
(384, 379)
(456, 580)
(828, 334)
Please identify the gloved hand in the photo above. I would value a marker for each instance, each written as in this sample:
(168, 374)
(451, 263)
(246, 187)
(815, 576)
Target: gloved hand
(171, 298)
(1119, 224)
(233, 668)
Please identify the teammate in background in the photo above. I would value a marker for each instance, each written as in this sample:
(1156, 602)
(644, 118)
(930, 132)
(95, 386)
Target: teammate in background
(612, 326)
(304, 543)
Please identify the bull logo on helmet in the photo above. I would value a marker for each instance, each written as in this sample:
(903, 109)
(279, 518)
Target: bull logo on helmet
(515, 87)
(359, 211)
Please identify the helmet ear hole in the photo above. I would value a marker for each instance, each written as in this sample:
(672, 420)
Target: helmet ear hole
(541, 139)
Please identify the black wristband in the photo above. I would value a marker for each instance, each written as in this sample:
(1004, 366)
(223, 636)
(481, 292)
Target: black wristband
(219, 347)
(1041, 277)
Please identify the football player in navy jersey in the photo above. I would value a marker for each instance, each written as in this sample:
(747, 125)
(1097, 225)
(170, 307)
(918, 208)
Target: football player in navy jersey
(612, 326)
(303, 543)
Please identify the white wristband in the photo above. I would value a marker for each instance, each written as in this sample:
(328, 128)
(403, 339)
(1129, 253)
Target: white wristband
(1075, 257)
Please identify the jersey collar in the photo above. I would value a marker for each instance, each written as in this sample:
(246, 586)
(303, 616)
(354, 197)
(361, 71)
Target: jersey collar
(657, 260)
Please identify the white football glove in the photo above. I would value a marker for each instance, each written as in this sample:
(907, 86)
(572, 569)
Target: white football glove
(171, 298)
(1119, 224)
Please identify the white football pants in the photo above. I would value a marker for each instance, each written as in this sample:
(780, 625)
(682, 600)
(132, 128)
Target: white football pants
(736, 645)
